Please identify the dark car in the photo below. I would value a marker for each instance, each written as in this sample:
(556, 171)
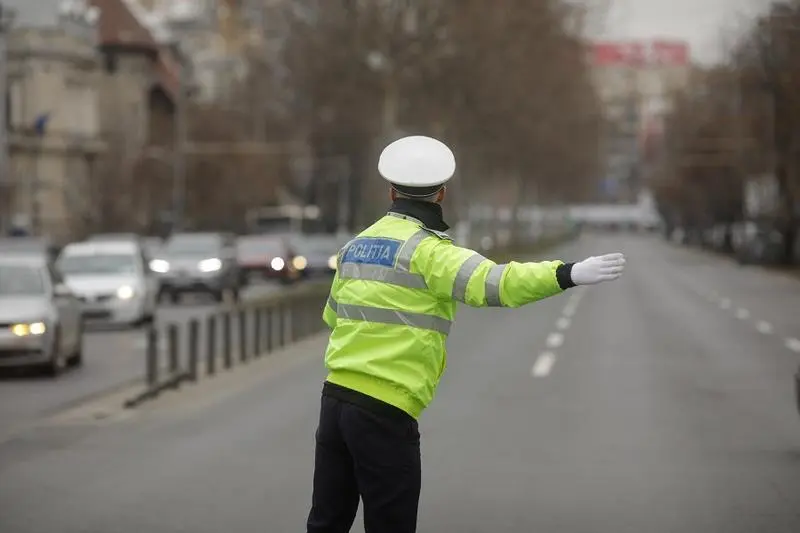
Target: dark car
(316, 254)
(267, 257)
(198, 263)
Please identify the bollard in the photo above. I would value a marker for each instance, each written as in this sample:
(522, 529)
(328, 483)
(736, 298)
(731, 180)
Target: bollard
(152, 357)
(173, 347)
(242, 335)
(194, 341)
(226, 340)
(257, 316)
(270, 327)
(211, 345)
(281, 324)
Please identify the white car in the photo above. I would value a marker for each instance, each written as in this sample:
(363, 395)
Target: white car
(40, 320)
(112, 280)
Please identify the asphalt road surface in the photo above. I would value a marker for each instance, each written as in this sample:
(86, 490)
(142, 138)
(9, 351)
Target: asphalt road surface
(660, 404)
(112, 358)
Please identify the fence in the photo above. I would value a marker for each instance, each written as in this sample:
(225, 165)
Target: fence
(182, 352)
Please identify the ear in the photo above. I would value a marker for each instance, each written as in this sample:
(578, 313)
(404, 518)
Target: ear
(393, 194)
(441, 195)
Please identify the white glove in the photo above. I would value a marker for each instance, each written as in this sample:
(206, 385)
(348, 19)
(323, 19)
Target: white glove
(597, 269)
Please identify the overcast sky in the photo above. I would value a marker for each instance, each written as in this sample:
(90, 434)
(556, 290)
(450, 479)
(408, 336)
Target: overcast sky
(700, 22)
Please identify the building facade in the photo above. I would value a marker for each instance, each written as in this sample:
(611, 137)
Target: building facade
(635, 82)
(53, 127)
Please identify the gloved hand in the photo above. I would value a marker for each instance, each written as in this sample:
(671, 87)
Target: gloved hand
(598, 269)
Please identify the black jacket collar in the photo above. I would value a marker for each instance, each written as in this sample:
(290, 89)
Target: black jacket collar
(428, 213)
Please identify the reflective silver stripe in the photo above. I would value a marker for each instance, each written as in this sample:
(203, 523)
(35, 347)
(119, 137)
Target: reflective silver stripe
(463, 276)
(405, 217)
(389, 316)
(332, 303)
(493, 286)
(384, 274)
(407, 251)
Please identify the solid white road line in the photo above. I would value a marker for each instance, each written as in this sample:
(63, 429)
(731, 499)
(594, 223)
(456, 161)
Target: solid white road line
(543, 365)
(554, 340)
(764, 327)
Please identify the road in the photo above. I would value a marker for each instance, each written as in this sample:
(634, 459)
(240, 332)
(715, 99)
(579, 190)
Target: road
(660, 403)
(112, 358)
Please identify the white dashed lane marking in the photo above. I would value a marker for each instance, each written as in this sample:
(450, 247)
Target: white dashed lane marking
(554, 340)
(725, 303)
(764, 327)
(742, 314)
(793, 344)
(544, 364)
(563, 323)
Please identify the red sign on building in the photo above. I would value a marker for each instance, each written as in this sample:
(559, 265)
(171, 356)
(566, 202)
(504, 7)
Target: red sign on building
(641, 53)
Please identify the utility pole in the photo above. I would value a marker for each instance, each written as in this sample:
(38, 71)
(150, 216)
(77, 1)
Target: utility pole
(6, 20)
(179, 155)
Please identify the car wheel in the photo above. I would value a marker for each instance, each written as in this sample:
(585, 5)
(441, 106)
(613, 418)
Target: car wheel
(57, 362)
(77, 358)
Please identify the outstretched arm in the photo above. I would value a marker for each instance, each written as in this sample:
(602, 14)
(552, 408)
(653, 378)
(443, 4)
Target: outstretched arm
(467, 276)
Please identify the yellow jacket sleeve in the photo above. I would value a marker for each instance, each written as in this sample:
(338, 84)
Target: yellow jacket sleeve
(329, 314)
(466, 276)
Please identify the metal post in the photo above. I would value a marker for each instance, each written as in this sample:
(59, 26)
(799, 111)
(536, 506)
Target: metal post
(179, 158)
(173, 347)
(226, 340)
(152, 358)
(194, 334)
(211, 345)
(280, 309)
(257, 331)
(6, 20)
(270, 327)
(242, 335)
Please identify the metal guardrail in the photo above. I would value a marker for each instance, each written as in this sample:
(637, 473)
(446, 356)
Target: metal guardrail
(177, 353)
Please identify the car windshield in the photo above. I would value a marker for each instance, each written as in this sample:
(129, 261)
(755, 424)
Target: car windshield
(21, 280)
(260, 246)
(97, 264)
(193, 246)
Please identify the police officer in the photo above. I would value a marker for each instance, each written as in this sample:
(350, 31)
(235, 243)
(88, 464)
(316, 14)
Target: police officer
(391, 307)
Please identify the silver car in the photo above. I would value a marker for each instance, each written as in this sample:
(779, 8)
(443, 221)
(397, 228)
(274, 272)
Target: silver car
(40, 319)
(112, 281)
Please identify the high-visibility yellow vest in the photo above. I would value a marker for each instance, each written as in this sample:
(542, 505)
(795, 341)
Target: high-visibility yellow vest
(393, 302)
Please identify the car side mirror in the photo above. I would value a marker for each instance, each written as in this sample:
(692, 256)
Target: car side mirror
(61, 290)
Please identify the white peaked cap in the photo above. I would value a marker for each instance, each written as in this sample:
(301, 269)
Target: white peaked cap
(417, 161)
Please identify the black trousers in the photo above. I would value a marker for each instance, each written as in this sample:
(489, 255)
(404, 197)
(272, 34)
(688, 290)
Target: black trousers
(371, 453)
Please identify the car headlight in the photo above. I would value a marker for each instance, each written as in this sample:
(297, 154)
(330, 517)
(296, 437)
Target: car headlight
(277, 263)
(125, 292)
(27, 329)
(210, 265)
(299, 262)
(159, 265)
(332, 262)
